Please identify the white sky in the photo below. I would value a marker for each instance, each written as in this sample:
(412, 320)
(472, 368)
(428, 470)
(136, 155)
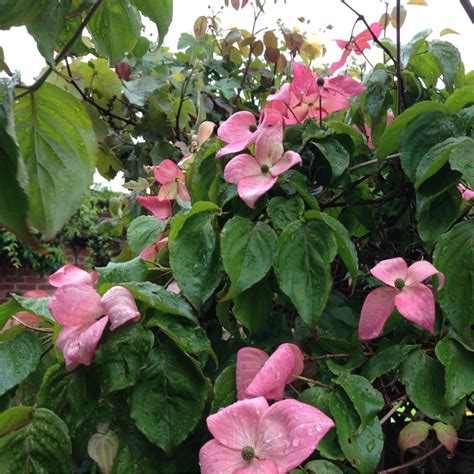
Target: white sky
(21, 52)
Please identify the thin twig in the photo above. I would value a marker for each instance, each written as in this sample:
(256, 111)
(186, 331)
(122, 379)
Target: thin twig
(400, 92)
(184, 88)
(32, 328)
(374, 162)
(315, 382)
(393, 409)
(413, 462)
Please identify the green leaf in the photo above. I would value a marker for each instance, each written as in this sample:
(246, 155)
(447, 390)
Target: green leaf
(448, 58)
(195, 259)
(19, 356)
(161, 299)
(295, 182)
(459, 99)
(419, 372)
(160, 12)
(39, 444)
(13, 417)
(202, 173)
(386, 360)
(413, 435)
(367, 401)
(134, 270)
(413, 46)
(7, 310)
(390, 138)
(115, 28)
(458, 369)
(122, 356)
(38, 307)
(253, 307)
(13, 199)
(225, 391)
(170, 397)
(59, 154)
(321, 467)
(461, 159)
(283, 211)
(337, 156)
(345, 247)
(454, 256)
(362, 450)
(18, 12)
(377, 87)
(187, 336)
(144, 231)
(304, 254)
(247, 253)
(446, 435)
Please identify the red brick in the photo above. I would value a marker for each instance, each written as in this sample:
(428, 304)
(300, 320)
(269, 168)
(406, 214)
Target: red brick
(24, 287)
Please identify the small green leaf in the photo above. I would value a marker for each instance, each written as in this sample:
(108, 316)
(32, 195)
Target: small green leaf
(38, 307)
(321, 467)
(134, 270)
(413, 435)
(160, 12)
(448, 58)
(18, 12)
(144, 231)
(225, 391)
(461, 159)
(283, 211)
(446, 435)
(337, 156)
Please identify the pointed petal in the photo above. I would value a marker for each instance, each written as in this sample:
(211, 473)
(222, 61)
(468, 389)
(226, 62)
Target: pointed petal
(241, 166)
(345, 85)
(149, 253)
(78, 343)
(420, 271)
(183, 192)
(69, 275)
(236, 425)
(168, 191)
(167, 171)
(376, 310)
(287, 161)
(271, 379)
(338, 64)
(416, 303)
(215, 458)
(258, 466)
(173, 288)
(251, 188)
(120, 306)
(333, 101)
(160, 209)
(389, 270)
(269, 120)
(343, 44)
(204, 132)
(249, 361)
(75, 305)
(235, 131)
(289, 432)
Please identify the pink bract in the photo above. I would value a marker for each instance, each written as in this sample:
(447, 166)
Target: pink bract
(251, 437)
(413, 300)
(160, 209)
(72, 275)
(466, 193)
(151, 252)
(172, 181)
(259, 375)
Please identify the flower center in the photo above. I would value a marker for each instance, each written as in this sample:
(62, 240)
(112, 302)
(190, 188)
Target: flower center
(248, 453)
(264, 169)
(399, 284)
(253, 128)
(320, 82)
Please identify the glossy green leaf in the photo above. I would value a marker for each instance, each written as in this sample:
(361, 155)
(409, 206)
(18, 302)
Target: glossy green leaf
(454, 256)
(59, 154)
(413, 435)
(448, 58)
(39, 444)
(122, 356)
(461, 159)
(169, 399)
(202, 174)
(294, 182)
(144, 231)
(283, 211)
(7, 310)
(18, 12)
(304, 254)
(335, 153)
(160, 12)
(19, 356)
(195, 259)
(134, 270)
(115, 28)
(321, 467)
(377, 87)
(38, 307)
(247, 253)
(413, 46)
(460, 98)
(458, 369)
(225, 391)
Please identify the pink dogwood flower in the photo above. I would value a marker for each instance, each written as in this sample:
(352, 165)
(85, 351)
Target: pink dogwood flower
(240, 130)
(413, 300)
(83, 313)
(251, 437)
(161, 209)
(71, 275)
(172, 181)
(356, 44)
(254, 176)
(260, 375)
(466, 193)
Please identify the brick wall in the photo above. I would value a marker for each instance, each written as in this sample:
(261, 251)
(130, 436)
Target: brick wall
(20, 280)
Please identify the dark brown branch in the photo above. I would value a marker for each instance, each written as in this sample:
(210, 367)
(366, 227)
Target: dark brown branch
(467, 5)
(400, 86)
(184, 88)
(413, 462)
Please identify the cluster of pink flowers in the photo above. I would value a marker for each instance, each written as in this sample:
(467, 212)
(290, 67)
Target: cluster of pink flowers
(251, 436)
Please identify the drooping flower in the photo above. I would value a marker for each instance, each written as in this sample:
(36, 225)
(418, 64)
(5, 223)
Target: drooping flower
(83, 313)
(251, 437)
(254, 176)
(160, 209)
(260, 375)
(413, 300)
(72, 275)
(240, 130)
(356, 44)
(172, 181)
(466, 193)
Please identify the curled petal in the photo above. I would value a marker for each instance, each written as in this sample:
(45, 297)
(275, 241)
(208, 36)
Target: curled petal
(249, 361)
(289, 432)
(422, 270)
(240, 167)
(120, 306)
(287, 161)
(78, 343)
(376, 310)
(299, 361)
(215, 458)
(416, 303)
(236, 426)
(75, 305)
(251, 188)
(173, 288)
(167, 171)
(183, 192)
(160, 209)
(269, 147)
(466, 193)
(70, 275)
(303, 82)
(389, 270)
